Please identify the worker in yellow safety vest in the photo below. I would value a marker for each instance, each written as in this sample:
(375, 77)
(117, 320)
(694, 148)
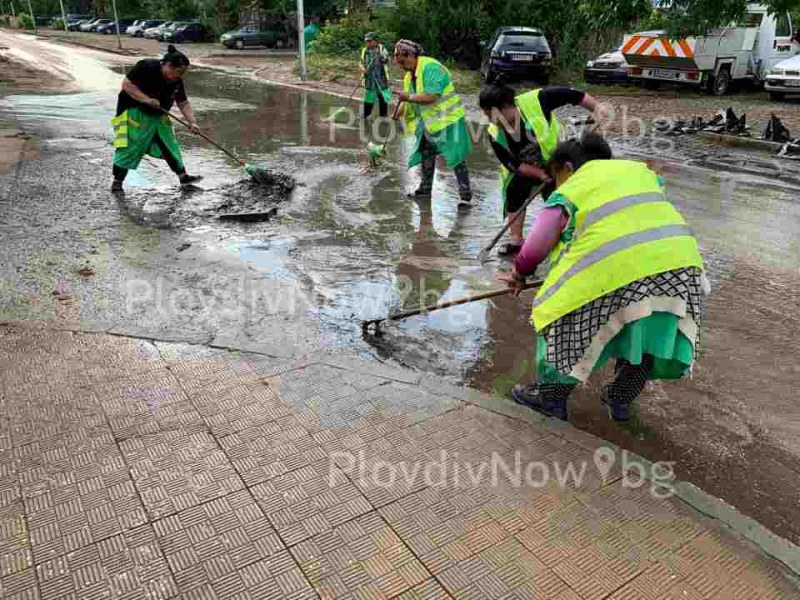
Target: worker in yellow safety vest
(625, 280)
(436, 119)
(374, 58)
(524, 132)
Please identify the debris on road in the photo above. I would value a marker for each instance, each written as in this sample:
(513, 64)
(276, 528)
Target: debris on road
(184, 246)
(86, 271)
(776, 131)
(725, 122)
(250, 217)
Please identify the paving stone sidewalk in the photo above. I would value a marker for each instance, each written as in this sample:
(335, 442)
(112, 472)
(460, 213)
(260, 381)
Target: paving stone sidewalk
(138, 469)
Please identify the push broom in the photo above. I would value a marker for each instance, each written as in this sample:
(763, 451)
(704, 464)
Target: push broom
(258, 174)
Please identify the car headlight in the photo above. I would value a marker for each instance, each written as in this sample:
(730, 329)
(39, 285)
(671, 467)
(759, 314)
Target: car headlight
(589, 64)
(776, 71)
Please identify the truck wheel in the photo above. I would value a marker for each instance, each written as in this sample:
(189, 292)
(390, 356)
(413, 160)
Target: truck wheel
(239, 44)
(720, 84)
(776, 96)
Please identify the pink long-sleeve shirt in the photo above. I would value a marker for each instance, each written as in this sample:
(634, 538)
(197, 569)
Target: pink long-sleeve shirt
(543, 236)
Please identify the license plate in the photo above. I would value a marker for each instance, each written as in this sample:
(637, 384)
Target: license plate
(663, 74)
(793, 82)
(522, 57)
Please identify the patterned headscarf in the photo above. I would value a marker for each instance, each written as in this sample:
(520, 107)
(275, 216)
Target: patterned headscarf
(408, 47)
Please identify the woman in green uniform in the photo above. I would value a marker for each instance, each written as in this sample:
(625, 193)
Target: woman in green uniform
(141, 125)
(625, 282)
(374, 58)
(435, 117)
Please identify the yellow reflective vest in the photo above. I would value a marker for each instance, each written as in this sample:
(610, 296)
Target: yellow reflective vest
(625, 229)
(546, 132)
(437, 116)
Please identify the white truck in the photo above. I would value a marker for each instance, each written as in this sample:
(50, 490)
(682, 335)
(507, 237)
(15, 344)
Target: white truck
(744, 51)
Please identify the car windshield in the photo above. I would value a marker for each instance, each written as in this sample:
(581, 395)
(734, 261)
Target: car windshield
(523, 40)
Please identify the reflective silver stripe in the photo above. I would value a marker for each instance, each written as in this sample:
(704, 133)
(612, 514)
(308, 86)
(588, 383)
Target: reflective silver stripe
(441, 114)
(612, 247)
(620, 204)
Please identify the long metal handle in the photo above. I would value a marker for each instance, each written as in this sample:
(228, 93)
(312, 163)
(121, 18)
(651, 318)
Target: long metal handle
(464, 300)
(206, 138)
(483, 253)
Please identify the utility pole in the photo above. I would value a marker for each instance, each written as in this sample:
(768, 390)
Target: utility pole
(116, 23)
(63, 14)
(301, 40)
(30, 8)
(13, 13)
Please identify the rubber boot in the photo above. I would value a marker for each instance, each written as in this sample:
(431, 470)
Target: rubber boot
(464, 189)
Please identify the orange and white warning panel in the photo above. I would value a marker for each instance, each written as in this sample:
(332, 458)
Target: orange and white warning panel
(644, 45)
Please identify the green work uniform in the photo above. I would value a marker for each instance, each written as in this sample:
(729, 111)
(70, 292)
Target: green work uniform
(443, 122)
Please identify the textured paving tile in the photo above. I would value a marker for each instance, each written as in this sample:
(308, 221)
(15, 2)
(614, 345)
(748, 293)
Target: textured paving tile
(506, 570)
(241, 407)
(210, 546)
(175, 474)
(401, 398)
(20, 585)
(130, 565)
(362, 558)
(15, 549)
(263, 453)
(309, 501)
(430, 589)
(76, 491)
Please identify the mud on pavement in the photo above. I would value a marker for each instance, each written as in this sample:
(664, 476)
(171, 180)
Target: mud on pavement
(346, 245)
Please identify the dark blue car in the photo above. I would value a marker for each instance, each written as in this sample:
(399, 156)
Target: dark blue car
(520, 53)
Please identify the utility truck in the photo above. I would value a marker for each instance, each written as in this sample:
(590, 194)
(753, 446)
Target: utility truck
(739, 52)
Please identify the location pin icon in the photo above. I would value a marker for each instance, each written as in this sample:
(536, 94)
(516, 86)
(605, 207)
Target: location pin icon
(604, 461)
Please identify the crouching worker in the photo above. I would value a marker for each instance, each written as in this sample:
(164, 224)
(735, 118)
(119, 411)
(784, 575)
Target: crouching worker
(625, 282)
(141, 124)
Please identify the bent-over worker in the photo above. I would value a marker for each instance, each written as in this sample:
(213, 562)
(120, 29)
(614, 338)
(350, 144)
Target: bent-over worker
(141, 125)
(625, 283)
(525, 132)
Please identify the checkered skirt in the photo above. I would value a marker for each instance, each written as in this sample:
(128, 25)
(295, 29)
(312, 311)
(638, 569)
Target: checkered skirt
(569, 338)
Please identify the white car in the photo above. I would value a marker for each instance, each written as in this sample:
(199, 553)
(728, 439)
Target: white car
(138, 28)
(784, 78)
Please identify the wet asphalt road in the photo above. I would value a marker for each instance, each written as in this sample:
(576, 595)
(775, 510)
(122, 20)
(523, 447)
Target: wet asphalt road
(347, 245)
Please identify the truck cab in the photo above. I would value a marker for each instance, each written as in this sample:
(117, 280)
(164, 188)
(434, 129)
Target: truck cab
(739, 51)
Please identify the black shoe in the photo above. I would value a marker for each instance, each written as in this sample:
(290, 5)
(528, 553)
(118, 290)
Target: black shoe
(190, 179)
(116, 187)
(465, 202)
(617, 410)
(420, 193)
(532, 397)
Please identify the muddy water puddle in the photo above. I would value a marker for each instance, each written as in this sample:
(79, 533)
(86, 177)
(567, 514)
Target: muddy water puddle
(354, 247)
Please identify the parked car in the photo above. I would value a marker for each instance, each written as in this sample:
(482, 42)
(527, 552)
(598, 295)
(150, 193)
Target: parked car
(170, 28)
(154, 33)
(784, 78)
(138, 28)
(92, 27)
(112, 27)
(610, 67)
(518, 52)
(75, 24)
(250, 35)
(191, 32)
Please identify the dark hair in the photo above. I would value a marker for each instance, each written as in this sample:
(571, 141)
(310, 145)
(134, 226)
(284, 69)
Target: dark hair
(591, 146)
(496, 95)
(175, 58)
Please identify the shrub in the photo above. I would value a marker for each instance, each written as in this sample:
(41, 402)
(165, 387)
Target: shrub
(58, 23)
(25, 21)
(348, 36)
